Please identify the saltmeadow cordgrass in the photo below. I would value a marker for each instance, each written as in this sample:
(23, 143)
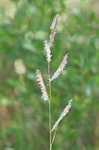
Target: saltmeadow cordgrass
(45, 95)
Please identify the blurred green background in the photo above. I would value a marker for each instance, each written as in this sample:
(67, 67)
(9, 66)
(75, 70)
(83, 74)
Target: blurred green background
(24, 25)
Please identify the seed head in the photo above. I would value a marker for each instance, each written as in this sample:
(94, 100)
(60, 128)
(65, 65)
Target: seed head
(41, 84)
(48, 52)
(60, 68)
(53, 30)
(63, 114)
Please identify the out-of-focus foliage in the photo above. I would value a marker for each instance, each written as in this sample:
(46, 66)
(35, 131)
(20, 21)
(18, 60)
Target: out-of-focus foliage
(24, 25)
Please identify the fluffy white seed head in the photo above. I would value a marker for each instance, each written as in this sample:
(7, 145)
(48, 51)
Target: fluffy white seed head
(48, 52)
(60, 68)
(63, 114)
(41, 84)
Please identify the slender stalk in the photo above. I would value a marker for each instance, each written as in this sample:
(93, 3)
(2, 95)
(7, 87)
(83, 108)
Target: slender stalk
(50, 138)
(53, 137)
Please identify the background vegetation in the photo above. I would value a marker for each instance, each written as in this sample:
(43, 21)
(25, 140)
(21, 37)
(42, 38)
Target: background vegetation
(24, 25)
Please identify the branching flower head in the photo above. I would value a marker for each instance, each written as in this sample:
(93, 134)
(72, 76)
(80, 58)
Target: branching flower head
(47, 46)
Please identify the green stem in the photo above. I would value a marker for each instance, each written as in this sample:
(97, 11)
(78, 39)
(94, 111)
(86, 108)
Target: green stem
(50, 139)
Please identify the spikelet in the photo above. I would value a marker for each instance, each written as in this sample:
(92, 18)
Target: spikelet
(63, 114)
(53, 25)
(42, 86)
(53, 30)
(60, 68)
(48, 52)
